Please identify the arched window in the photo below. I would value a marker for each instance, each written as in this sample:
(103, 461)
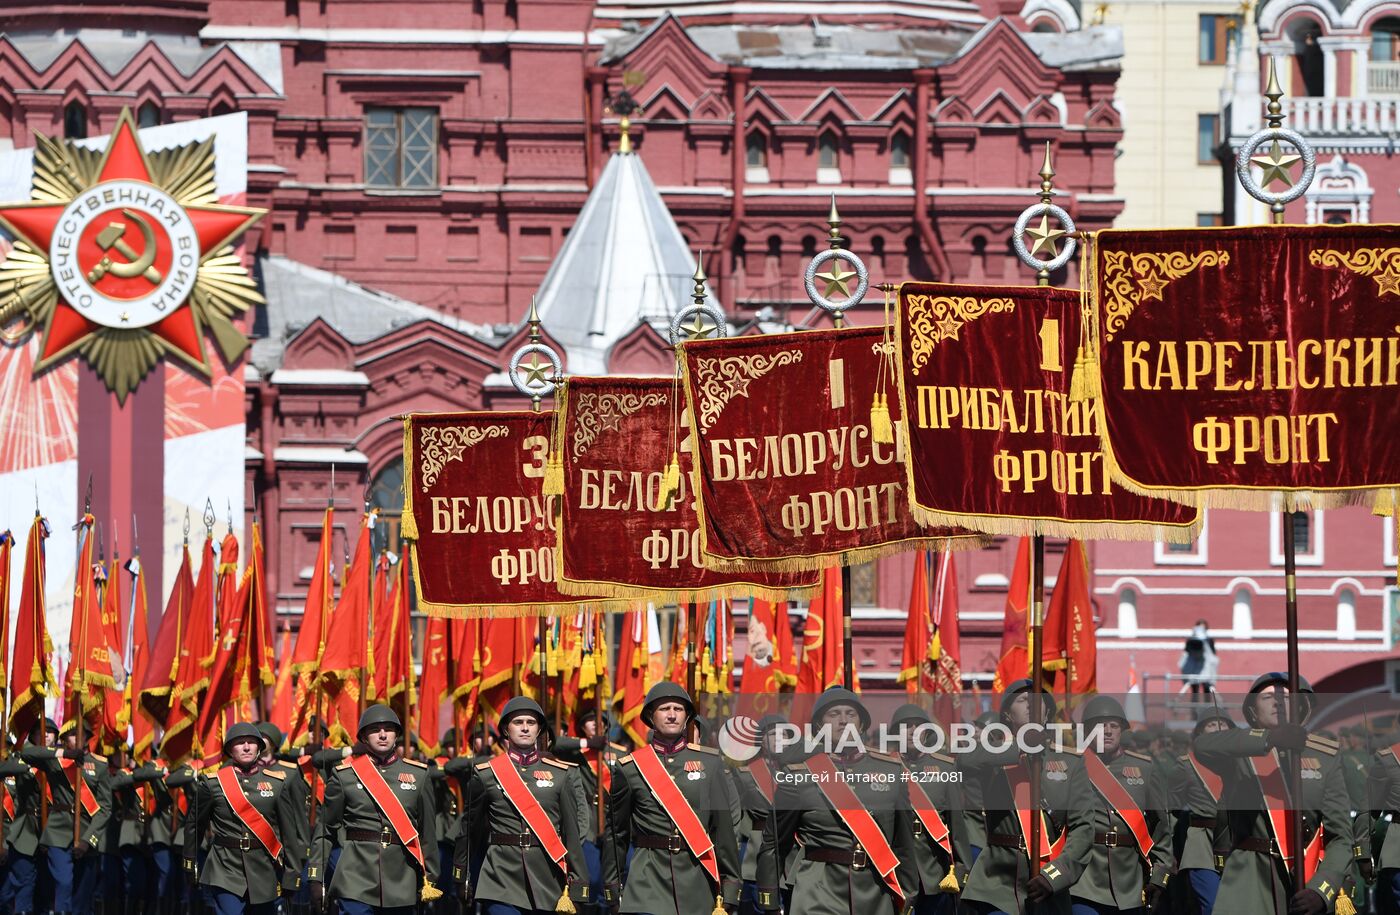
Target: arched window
(221, 108)
(756, 150)
(1383, 74)
(828, 158)
(899, 150)
(386, 494)
(148, 115)
(1309, 58)
(1346, 614)
(75, 122)
(1242, 616)
(1127, 614)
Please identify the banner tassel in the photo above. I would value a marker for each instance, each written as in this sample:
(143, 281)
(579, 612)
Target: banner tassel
(554, 475)
(949, 883)
(671, 479)
(1344, 905)
(565, 904)
(429, 893)
(881, 430)
(1084, 382)
(719, 906)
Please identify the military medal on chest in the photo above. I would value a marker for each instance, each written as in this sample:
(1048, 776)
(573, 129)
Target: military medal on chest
(407, 782)
(695, 770)
(265, 789)
(543, 778)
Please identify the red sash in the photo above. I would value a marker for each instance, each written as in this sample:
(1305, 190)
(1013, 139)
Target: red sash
(669, 796)
(1281, 820)
(243, 808)
(1215, 785)
(528, 806)
(595, 761)
(9, 805)
(79, 785)
(1121, 801)
(389, 805)
(928, 814)
(308, 772)
(858, 820)
(763, 778)
(1020, 782)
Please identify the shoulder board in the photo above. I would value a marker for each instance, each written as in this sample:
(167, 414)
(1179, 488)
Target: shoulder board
(559, 763)
(287, 764)
(98, 757)
(482, 766)
(1075, 751)
(1136, 755)
(710, 750)
(617, 747)
(1386, 751)
(414, 762)
(883, 757)
(1322, 745)
(344, 765)
(275, 773)
(625, 760)
(1326, 741)
(945, 759)
(798, 767)
(1183, 758)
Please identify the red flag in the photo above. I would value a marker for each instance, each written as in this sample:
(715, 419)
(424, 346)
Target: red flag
(7, 542)
(31, 674)
(1070, 644)
(823, 638)
(769, 662)
(113, 631)
(947, 644)
(433, 690)
(1015, 626)
(94, 664)
(393, 649)
(155, 688)
(282, 694)
(503, 645)
(915, 668)
(142, 731)
(347, 661)
(631, 683)
(311, 637)
(196, 657)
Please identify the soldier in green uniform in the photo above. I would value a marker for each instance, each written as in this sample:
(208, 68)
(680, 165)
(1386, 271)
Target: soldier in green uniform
(447, 805)
(1384, 790)
(940, 834)
(850, 810)
(669, 805)
(251, 820)
(1205, 830)
(973, 813)
(756, 781)
(529, 813)
(596, 756)
(1130, 861)
(19, 869)
(1002, 879)
(74, 776)
(379, 811)
(128, 855)
(1251, 764)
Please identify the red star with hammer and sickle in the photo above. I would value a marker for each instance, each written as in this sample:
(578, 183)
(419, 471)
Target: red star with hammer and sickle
(215, 226)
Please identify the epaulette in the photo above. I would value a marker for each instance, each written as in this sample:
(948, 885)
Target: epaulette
(482, 766)
(798, 767)
(1386, 751)
(617, 748)
(273, 773)
(1327, 741)
(344, 765)
(1322, 745)
(710, 750)
(287, 764)
(559, 763)
(625, 760)
(1136, 755)
(944, 759)
(414, 762)
(884, 757)
(97, 756)
(1071, 750)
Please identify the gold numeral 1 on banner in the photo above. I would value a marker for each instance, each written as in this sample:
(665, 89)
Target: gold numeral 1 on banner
(1050, 345)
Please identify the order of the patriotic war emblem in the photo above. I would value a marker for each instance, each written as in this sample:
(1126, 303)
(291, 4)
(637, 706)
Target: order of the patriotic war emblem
(123, 257)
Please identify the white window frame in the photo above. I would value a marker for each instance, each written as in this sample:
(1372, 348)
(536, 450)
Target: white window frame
(1162, 556)
(1313, 558)
(1388, 556)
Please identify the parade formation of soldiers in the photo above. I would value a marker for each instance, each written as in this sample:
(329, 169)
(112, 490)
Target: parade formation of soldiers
(512, 821)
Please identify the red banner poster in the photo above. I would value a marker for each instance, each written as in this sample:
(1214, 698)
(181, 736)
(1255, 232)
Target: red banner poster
(789, 473)
(995, 442)
(618, 436)
(482, 529)
(1251, 367)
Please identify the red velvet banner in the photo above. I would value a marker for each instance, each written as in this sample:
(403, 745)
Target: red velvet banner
(789, 472)
(622, 535)
(995, 443)
(483, 531)
(1254, 367)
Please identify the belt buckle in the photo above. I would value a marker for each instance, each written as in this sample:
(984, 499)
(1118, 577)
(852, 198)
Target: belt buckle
(524, 839)
(673, 845)
(859, 859)
(1111, 840)
(245, 842)
(1219, 862)
(385, 839)
(918, 828)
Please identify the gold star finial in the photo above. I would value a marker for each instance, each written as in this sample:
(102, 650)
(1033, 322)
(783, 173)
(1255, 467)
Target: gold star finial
(1045, 238)
(837, 280)
(536, 372)
(698, 328)
(1276, 166)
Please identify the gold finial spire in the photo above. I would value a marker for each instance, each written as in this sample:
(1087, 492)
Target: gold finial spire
(1100, 14)
(699, 277)
(533, 320)
(1047, 176)
(833, 219)
(624, 143)
(1273, 93)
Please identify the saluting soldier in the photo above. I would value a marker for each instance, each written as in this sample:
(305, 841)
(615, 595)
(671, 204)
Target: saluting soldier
(1002, 880)
(380, 806)
(941, 848)
(850, 810)
(1199, 791)
(251, 819)
(1130, 861)
(1260, 877)
(596, 756)
(1384, 785)
(19, 871)
(73, 775)
(529, 813)
(670, 806)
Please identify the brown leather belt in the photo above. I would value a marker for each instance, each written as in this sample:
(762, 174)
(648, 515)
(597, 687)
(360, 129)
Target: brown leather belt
(1112, 839)
(1001, 840)
(385, 836)
(1203, 822)
(674, 843)
(854, 858)
(244, 842)
(1256, 843)
(515, 839)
